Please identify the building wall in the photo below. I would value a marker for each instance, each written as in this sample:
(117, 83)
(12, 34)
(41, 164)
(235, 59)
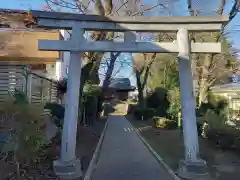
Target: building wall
(64, 57)
(19, 37)
(51, 71)
(22, 47)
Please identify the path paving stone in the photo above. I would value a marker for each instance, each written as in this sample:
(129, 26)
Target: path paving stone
(123, 155)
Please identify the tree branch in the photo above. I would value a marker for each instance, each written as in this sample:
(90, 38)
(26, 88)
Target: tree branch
(123, 4)
(61, 3)
(148, 9)
(221, 7)
(190, 9)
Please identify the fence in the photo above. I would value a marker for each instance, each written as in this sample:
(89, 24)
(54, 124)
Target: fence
(39, 89)
(11, 78)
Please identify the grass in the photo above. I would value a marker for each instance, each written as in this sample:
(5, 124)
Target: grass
(168, 144)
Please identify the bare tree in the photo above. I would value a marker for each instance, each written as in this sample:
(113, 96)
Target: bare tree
(141, 66)
(92, 60)
(104, 8)
(211, 67)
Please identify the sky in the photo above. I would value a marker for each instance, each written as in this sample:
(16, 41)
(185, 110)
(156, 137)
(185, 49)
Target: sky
(205, 7)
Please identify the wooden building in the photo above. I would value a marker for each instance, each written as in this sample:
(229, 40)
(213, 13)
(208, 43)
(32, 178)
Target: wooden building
(19, 37)
(119, 88)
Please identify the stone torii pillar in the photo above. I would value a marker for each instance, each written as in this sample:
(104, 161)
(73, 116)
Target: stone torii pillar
(188, 104)
(68, 167)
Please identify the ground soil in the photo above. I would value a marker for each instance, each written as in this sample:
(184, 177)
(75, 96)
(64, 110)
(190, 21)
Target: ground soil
(223, 165)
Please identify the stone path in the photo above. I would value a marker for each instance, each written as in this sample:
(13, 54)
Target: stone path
(123, 156)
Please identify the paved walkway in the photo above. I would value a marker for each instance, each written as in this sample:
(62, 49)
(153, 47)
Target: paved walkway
(123, 155)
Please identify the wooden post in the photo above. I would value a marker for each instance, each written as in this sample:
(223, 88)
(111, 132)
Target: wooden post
(50, 91)
(179, 119)
(42, 90)
(29, 87)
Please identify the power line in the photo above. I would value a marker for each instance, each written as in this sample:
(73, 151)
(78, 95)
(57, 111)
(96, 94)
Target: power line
(233, 11)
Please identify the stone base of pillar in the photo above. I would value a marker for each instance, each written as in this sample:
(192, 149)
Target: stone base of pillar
(70, 170)
(193, 170)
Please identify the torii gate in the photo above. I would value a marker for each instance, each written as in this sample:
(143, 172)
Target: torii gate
(68, 166)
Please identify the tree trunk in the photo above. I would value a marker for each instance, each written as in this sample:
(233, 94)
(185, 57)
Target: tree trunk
(109, 72)
(202, 95)
(89, 73)
(141, 99)
(204, 74)
(165, 78)
(106, 82)
(203, 81)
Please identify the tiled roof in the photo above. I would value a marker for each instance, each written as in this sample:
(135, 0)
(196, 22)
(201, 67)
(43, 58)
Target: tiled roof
(121, 83)
(19, 20)
(226, 87)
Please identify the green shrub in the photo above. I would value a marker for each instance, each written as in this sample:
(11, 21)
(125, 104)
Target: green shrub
(201, 111)
(91, 90)
(25, 125)
(132, 108)
(225, 140)
(216, 103)
(158, 96)
(91, 103)
(201, 120)
(201, 128)
(161, 122)
(218, 131)
(144, 114)
(62, 85)
(158, 101)
(91, 108)
(215, 121)
(237, 143)
(57, 111)
(214, 99)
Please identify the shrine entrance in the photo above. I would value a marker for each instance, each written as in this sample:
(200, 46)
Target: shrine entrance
(77, 44)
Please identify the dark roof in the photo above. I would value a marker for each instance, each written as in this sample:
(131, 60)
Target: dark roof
(21, 16)
(121, 83)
